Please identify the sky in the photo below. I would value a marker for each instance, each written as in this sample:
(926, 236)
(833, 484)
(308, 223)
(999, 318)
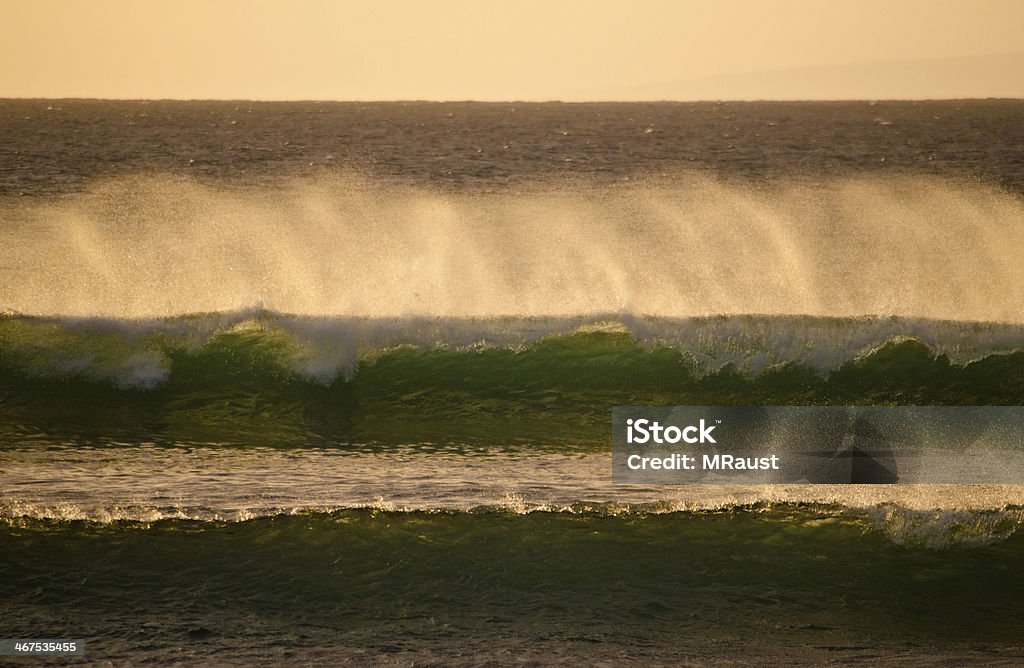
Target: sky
(569, 50)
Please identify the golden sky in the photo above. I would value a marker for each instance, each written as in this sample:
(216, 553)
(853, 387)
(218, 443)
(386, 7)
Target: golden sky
(511, 49)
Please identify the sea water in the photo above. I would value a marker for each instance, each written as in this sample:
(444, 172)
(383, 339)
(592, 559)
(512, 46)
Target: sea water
(332, 382)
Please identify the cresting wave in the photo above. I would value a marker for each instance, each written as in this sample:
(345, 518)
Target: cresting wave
(932, 529)
(810, 577)
(691, 246)
(142, 483)
(144, 353)
(263, 378)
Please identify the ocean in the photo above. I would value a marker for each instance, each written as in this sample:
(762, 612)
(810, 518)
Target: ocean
(332, 383)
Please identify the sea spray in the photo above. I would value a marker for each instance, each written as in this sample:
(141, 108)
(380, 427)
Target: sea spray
(690, 246)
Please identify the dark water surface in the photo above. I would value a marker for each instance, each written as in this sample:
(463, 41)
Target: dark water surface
(54, 146)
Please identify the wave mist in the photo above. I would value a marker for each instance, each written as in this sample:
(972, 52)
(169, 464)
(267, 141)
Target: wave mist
(690, 246)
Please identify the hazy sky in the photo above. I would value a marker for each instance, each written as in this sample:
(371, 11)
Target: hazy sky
(511, 49)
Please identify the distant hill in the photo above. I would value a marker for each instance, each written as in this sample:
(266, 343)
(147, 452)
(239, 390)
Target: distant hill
(963, 77)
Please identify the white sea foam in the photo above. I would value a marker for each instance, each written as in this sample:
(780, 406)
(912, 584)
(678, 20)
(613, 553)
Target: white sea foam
(233, 485)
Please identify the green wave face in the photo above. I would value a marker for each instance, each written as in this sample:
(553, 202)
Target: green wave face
(277, 380)
(760, 575)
